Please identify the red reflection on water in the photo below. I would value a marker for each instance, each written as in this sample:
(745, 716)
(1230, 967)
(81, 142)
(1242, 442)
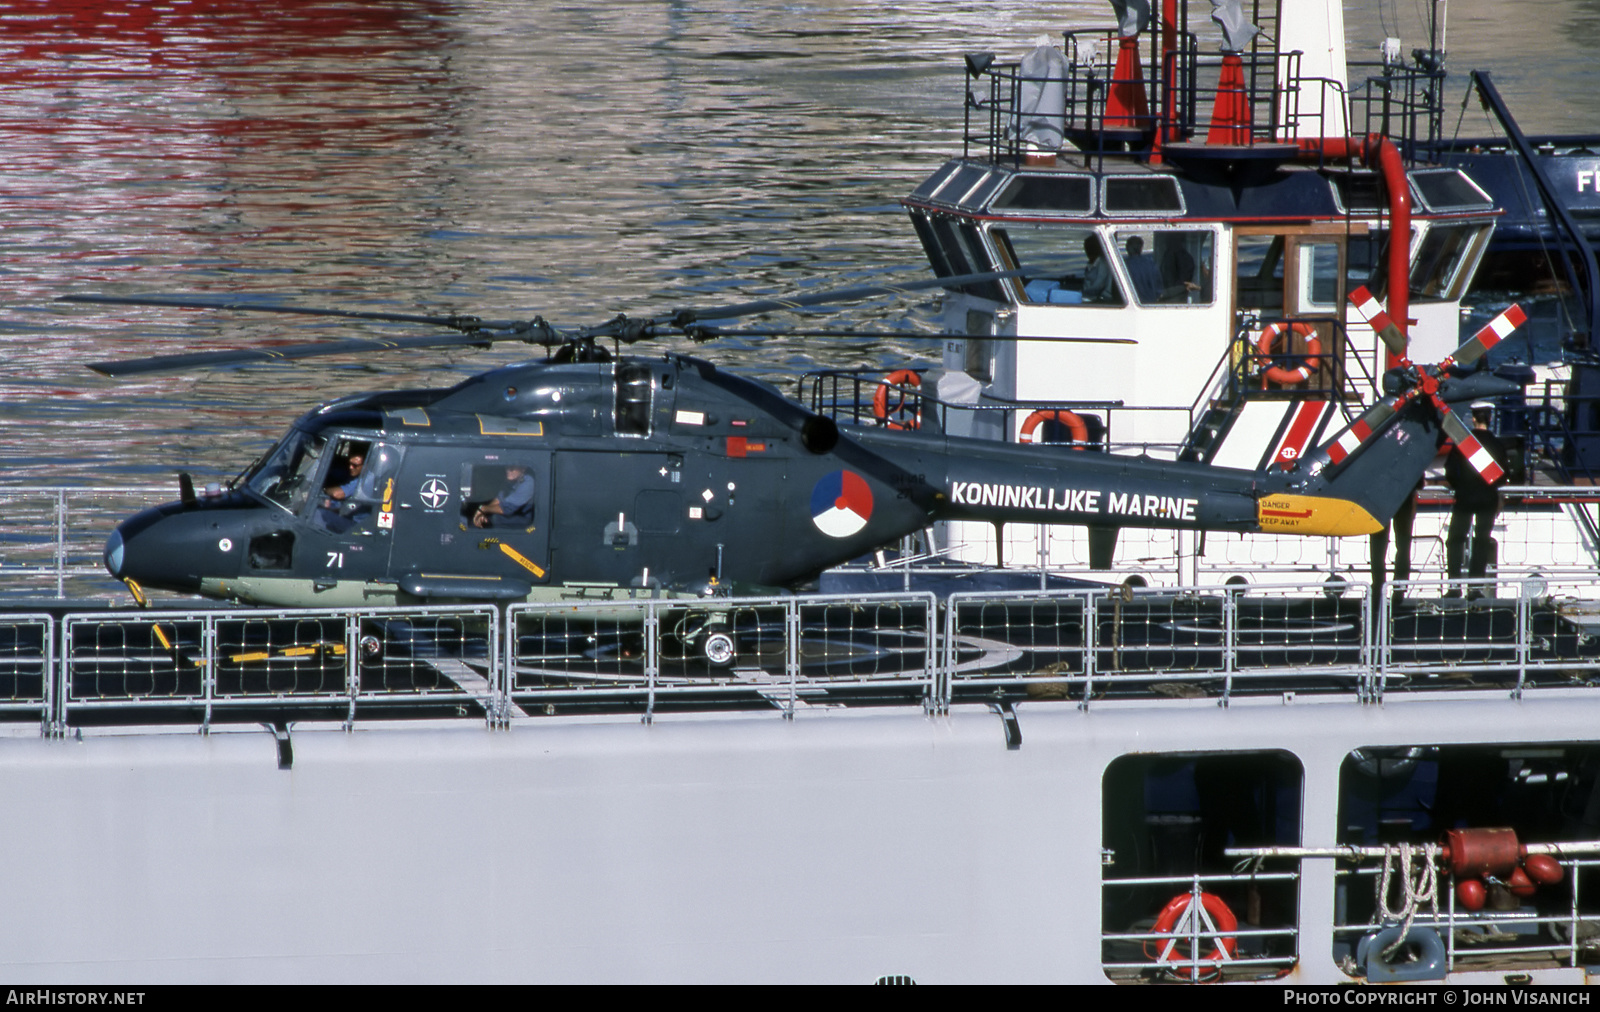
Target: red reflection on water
(163, 134)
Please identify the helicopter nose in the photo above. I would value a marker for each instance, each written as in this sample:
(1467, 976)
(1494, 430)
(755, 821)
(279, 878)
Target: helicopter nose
(163, 547)
(113, 554)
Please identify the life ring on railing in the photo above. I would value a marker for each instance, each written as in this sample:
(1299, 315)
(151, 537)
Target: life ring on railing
(1282, 375)
(1075, 425)
(1223, 943)
(901, 414)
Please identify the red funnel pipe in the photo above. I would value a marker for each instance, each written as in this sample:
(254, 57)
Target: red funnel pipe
(1378, 152)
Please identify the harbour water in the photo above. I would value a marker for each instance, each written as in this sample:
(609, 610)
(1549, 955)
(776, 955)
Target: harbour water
(567, 160)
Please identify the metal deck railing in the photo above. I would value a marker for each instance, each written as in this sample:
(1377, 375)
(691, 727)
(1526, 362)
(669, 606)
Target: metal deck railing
(1089, 646)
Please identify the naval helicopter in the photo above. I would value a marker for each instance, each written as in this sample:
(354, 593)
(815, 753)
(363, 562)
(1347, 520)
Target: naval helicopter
(597, 474)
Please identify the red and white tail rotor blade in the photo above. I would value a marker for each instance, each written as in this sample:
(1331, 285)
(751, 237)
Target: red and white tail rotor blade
(1468, 446)
(1495, 331)
(1373, 312)
(1351, 439)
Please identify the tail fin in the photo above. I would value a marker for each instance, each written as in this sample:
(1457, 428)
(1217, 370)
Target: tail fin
(1354, 483)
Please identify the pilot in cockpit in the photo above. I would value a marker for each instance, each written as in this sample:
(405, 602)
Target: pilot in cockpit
(339, 511)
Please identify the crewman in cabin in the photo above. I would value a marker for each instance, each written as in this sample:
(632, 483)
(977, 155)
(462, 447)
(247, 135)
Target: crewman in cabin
(1143, 270)
(513, 506)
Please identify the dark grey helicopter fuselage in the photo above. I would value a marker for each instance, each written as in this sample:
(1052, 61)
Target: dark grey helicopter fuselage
(658, 476)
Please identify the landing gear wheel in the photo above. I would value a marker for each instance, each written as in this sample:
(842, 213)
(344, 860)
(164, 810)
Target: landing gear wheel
(719, 649)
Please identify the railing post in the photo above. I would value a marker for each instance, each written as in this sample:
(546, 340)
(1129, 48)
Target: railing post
(54, 680)
(1091, 635)
(652, 659)
(499, 699)
(1230, 642)
(208, 676)
(944, 677)
(1525, 593)
(352, 666)
(61, 542)
(791, 654)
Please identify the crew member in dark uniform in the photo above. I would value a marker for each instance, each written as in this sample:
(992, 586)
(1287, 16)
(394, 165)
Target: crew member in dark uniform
(1476, 506)
(1404, 520)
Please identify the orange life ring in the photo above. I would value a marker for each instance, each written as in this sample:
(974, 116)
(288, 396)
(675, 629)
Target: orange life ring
(1280, 374)
(900, 414)
(1074, 424)
(1224, 944)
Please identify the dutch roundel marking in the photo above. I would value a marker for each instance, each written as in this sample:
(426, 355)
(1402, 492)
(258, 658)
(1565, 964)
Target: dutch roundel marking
(434, 493)
(841, 504)
(226, 545)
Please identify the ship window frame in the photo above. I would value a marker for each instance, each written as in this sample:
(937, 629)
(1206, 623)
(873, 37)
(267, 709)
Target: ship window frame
(1380, 207)
(1169, 183)
(1452, 271)
(1420, 177)
(1161, 804)
(1021, 179)
(928, 187)
(1205, 293)
(1000, 233)
(955, 177)
(1430, 787)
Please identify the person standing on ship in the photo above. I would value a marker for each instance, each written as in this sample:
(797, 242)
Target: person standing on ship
(1476, 505)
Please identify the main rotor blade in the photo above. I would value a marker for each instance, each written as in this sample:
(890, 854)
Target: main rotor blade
(712, 333)
(467, 324)
(289, 352)
(684, 317)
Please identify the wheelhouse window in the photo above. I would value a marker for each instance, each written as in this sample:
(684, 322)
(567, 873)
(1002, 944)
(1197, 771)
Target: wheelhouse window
(1319, 276)
(1445, 254)
(1167, 267)
(1167, 821)
(1061, 266)
(1260, 271)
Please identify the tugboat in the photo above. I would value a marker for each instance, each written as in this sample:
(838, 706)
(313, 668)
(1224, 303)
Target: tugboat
(1187, 231)
(1199, 244)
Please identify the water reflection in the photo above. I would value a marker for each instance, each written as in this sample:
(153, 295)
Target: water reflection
(569, 160)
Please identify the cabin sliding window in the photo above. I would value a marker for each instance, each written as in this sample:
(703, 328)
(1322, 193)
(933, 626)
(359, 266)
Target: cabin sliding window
(1167, 267)
(1061, 266)
(1166, 820)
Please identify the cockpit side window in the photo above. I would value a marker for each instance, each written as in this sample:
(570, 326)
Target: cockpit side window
(287, 476)
(349, 488)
